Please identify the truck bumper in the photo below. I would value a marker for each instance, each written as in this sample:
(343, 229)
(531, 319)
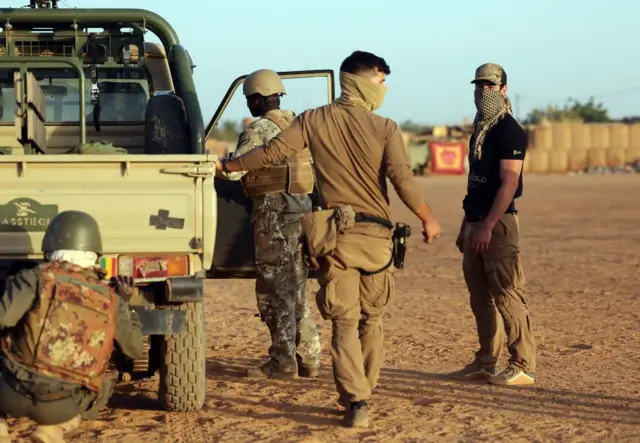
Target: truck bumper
(183, 290)
(159, 321)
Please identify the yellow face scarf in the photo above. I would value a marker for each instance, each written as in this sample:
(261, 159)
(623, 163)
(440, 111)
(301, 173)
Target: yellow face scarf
(360, 91)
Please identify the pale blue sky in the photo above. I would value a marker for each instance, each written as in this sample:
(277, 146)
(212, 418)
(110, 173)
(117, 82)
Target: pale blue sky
(550, 49)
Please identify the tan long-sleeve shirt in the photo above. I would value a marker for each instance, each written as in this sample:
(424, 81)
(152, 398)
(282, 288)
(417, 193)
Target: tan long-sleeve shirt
(354, 152)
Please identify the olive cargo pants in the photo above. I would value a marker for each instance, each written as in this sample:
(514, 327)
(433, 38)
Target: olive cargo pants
(54, 403)
(355, 303)
(495, 280)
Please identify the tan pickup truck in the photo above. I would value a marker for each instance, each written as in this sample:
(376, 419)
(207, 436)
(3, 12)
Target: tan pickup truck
(108, 123)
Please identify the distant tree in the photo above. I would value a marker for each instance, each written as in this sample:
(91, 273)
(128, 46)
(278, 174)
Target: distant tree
(573, 110)
(227, 131)
(416, 128)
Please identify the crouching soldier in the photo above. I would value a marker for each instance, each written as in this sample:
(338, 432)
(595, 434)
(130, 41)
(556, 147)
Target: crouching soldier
(58, 324)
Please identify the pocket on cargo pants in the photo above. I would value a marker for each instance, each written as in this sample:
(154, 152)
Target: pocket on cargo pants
(502, 261)
(504, 274)
(339, 291)
(376, 292)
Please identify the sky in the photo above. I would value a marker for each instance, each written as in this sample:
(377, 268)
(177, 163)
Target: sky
(551, 50)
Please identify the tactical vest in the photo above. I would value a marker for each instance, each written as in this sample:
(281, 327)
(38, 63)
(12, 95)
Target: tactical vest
(295, 176)
(68, 334)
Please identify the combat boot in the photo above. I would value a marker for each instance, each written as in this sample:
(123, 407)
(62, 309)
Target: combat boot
(357, 415)
(4, 431)
(272, 368)
(54, 433)
(308, 371)
(345, 404)
(474, 371)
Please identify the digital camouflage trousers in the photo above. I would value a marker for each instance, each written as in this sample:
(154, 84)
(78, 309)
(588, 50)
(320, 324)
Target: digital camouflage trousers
(281, 281)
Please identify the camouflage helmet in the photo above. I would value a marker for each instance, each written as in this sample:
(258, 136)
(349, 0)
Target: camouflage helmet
(264, 82)
(72, 230)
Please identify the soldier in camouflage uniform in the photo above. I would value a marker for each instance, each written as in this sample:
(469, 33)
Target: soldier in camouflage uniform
(280, 197)
(58, 324)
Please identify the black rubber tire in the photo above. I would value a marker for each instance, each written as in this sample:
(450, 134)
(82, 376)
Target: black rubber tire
(166, 126)
(182, 371)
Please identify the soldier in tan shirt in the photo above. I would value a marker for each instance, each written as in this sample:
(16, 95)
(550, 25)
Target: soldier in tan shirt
(354, 152)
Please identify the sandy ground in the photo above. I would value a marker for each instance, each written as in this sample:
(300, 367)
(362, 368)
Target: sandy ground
(581, 252)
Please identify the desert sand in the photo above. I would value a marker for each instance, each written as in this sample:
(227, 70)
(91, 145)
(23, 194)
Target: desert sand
(581, 252)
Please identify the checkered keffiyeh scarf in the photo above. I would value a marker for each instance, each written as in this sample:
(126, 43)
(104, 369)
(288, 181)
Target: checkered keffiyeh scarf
(492, 106)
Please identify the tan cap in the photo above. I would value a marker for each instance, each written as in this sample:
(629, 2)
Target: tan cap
(491, 72)
(264, 82)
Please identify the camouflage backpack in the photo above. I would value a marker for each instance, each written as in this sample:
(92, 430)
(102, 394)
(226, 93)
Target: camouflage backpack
(69, 333)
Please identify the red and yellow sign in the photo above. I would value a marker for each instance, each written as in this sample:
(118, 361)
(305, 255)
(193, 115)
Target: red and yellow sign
(447, 157)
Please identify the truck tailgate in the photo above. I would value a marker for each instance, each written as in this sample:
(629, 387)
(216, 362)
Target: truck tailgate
(143, 203)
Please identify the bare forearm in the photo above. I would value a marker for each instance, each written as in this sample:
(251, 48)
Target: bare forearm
(424, 213)
(501, 203)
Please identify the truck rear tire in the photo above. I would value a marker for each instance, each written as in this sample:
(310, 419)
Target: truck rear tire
(166, 126)
(182, 371)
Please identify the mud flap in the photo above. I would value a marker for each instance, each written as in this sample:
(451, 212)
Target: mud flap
(161, 321)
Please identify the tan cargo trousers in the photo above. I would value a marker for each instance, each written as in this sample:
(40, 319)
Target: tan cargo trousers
(355, 303)
(495, 280)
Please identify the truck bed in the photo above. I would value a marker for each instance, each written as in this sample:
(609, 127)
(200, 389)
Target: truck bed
(143, 203)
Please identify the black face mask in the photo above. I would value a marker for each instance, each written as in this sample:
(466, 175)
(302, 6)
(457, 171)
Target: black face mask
(255, 110)
(255, 105)
(258, 105)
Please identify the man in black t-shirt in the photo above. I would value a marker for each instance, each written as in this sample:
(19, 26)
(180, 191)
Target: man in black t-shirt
(489, 236)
